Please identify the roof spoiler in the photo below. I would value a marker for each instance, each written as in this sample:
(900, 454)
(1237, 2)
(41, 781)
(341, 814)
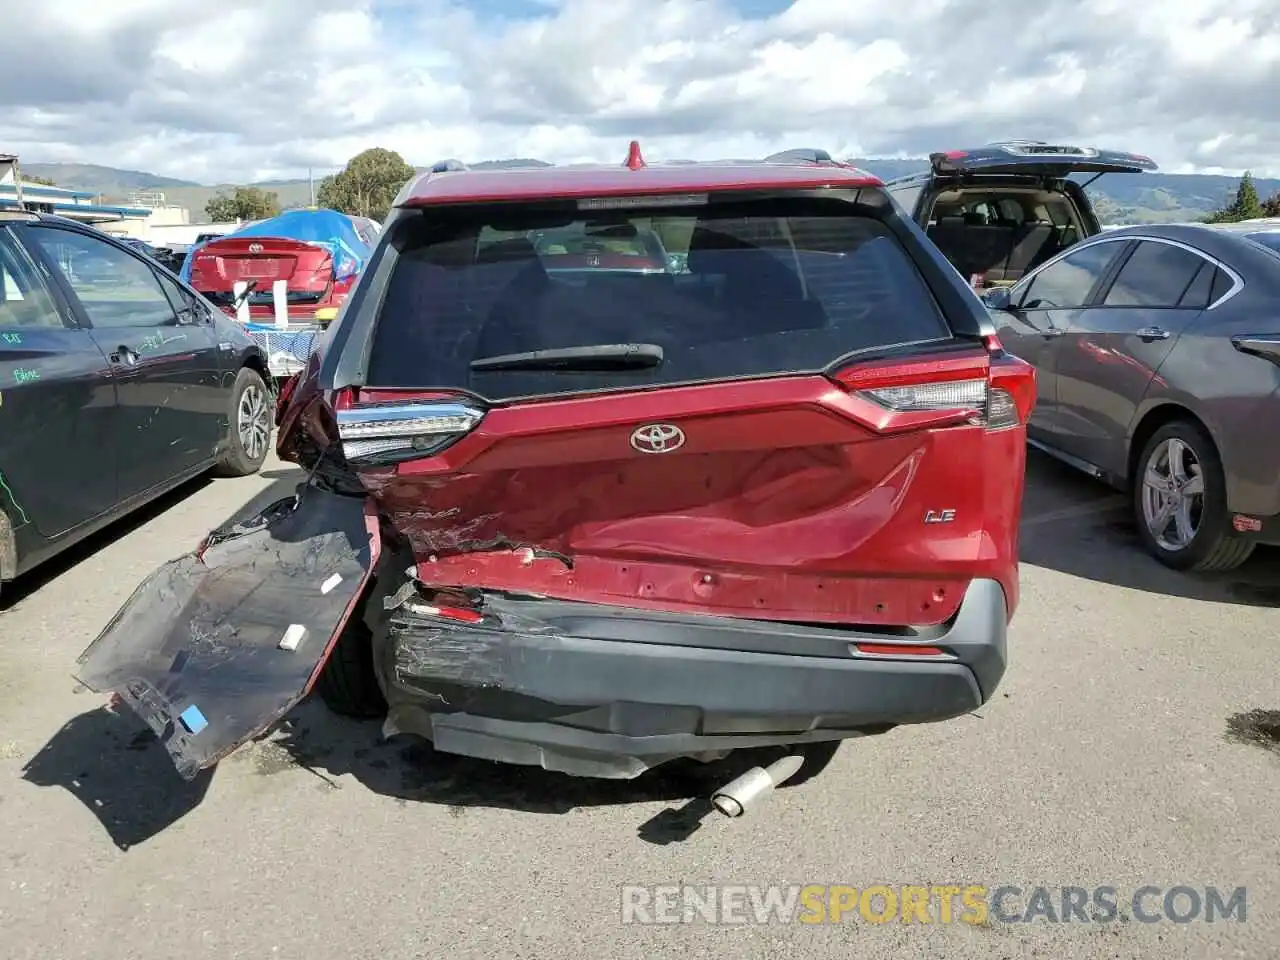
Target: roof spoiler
(440, 166)
(800, 155)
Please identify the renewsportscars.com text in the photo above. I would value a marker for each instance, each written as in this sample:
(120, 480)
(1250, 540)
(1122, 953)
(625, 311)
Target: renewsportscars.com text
(973, 904)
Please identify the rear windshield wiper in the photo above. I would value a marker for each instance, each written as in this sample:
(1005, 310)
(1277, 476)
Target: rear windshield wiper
(601, 356)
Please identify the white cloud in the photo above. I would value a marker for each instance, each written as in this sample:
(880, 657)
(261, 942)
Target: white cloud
(253, 88)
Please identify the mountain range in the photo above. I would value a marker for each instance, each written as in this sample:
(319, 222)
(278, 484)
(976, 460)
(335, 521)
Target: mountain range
(1119, 198)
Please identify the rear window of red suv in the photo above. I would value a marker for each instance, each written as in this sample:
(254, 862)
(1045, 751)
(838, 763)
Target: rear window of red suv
(722, 291)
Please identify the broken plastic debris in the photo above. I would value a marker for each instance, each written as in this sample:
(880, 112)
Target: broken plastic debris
(331, 583)
(192, 719)
(292, 637)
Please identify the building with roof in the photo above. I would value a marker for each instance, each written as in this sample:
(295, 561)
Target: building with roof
(15, 193)
(144, 216)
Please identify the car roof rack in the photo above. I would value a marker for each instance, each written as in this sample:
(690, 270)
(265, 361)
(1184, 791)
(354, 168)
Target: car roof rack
(800, 155)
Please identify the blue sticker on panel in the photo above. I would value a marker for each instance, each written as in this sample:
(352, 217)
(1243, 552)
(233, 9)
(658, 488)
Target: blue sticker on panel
(192, 719)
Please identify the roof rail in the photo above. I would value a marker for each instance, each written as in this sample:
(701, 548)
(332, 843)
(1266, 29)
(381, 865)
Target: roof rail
(800, 155)
(448, 166)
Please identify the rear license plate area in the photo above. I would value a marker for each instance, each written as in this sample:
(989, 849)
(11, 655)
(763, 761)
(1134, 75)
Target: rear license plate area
(257, 269)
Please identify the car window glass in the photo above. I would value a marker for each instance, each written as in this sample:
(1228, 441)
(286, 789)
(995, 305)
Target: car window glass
(116, 288)
(744, 289)
(1222, 282)
(906, 197)
(24, 299)
(1010, 210)
(981, 212)
(1155, 276)
(1068, 282)
(178, 298)
(1196, 296)
(1268, 238)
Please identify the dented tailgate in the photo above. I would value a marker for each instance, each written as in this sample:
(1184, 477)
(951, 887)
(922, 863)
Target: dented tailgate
(214, 647)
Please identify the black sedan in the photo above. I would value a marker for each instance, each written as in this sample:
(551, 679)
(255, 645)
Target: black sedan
(1157, 351)
(117, 383)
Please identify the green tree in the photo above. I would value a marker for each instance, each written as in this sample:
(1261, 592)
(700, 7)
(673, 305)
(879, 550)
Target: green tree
(1246, 205)
(1271, 207)
(246, 203)
(42, 181)
(368, 185)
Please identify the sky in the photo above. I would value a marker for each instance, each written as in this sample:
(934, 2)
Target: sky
(239, 90)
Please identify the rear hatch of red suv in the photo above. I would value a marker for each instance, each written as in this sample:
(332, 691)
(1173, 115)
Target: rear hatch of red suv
(787, 428)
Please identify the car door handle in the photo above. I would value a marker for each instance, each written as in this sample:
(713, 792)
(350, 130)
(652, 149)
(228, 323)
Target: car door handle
(1153, 333)
(125, 356)
(1055, 331)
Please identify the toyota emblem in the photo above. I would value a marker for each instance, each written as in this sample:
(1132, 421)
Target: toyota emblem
(658, 438)
(255, 248)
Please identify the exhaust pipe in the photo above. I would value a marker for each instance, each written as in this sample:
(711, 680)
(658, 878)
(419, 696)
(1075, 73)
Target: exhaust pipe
(738, 796)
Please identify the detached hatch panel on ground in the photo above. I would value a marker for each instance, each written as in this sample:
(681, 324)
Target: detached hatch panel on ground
(197, 651)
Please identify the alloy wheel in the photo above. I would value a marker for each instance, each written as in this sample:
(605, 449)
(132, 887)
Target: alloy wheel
(253, 423)
(1173, 495)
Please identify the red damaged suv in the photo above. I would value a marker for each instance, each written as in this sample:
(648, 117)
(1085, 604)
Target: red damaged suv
(763, 494)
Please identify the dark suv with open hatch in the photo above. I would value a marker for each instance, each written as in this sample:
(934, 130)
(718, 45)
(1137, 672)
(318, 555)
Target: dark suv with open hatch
(999, 211)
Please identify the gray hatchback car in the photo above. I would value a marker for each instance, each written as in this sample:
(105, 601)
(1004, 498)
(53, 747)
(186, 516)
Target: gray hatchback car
(1157, 352)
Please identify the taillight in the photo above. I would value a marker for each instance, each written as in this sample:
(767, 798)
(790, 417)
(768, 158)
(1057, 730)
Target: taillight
(1012, 391)
(990, 389)
(921, 397)
(341, 288)
(389, 431)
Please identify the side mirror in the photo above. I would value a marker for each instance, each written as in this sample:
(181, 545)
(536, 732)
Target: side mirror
(191, 313)
(998, 298)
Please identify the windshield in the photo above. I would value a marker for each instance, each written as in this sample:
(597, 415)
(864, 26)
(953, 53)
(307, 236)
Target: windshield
(718, 291)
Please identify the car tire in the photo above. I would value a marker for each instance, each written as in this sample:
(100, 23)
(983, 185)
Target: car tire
(348, 684)
(249, 424)
(1172, 459)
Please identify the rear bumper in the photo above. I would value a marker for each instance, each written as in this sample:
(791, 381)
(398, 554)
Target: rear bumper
(610, 691)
